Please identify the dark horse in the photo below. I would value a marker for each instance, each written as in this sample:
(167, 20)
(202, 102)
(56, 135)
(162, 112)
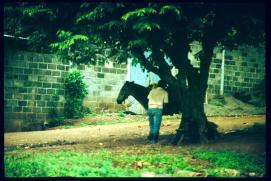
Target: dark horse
(140, 93)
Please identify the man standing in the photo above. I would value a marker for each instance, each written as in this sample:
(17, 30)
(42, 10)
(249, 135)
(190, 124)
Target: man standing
(157, 98)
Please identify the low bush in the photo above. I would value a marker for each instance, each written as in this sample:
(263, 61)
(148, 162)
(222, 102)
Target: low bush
(75, 92)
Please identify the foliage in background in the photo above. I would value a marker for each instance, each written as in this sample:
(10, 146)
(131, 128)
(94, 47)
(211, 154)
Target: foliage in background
(124, 29)
(37, 21)
(76, 48)
(75, 92)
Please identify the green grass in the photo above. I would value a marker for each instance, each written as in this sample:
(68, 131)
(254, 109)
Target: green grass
(242, 162)
(97, 164)
(103, 163)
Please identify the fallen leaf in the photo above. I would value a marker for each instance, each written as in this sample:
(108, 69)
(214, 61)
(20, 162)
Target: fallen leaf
(152, 174)
(252, 174)
(140, 164)
(147, 174)
(231, 172)
(146, 163)
(186, 173)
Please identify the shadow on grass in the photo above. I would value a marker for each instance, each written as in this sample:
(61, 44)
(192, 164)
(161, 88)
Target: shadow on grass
(233, 139)
(254, 129)
(255, 132)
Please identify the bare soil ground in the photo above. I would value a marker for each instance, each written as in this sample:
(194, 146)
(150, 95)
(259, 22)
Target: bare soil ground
(132, 135)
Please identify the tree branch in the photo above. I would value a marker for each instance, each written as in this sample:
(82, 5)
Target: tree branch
(181, 61)
(159, 60)
(209, 40)
(146, 63)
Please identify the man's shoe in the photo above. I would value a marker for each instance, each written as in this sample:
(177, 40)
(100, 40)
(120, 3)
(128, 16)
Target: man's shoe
(155, 137)
(150, 137)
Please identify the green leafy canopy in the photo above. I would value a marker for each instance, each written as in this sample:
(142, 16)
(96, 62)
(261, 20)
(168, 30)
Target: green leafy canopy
(92, 24)
(87, 32)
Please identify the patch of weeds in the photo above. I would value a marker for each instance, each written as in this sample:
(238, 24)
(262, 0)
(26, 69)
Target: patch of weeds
(154, 161)
(239, 108)
(218, 102)
(231, 160)
(84, 124)
(86, 111)
(64, 163)
(13, 149)
(121, 114)
(67, 127)
(92, 114)
(101, 163)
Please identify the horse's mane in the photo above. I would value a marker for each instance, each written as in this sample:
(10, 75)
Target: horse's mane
(140, 88)
(140, 93)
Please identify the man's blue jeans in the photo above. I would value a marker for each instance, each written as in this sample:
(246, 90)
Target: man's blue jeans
(155, 118)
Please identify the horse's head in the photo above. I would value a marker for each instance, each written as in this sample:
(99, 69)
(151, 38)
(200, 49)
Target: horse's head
(125, 91)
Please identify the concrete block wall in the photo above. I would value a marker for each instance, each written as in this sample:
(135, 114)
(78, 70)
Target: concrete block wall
(243, 69)
(33, 83)
(104, 83)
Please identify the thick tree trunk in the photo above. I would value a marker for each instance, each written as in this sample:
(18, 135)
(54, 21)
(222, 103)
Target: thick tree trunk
(175, 95)
(194, 126)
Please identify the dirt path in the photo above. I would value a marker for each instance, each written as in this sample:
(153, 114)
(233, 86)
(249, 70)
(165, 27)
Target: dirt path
(134, 134)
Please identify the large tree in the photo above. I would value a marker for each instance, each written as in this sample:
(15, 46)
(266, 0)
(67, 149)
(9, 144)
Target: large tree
(87, 32)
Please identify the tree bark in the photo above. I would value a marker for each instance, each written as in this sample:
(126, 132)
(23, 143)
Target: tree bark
(194, 126)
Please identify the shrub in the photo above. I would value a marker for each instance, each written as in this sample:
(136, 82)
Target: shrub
(218, 101)
(75, 92)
